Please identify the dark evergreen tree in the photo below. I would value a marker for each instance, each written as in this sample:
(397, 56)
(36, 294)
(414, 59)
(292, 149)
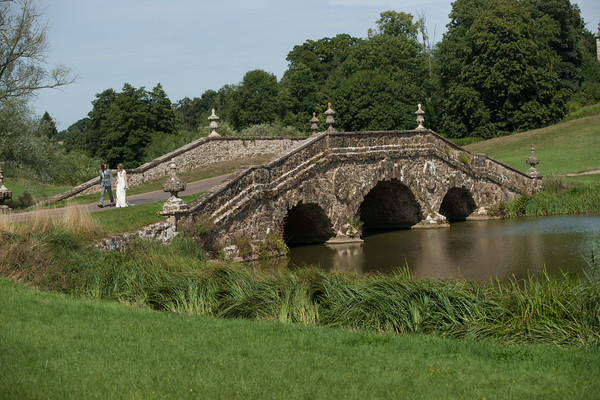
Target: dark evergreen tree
(162, 110)
(75, 136)
(47, 127)
(99, 125)
(298, 96)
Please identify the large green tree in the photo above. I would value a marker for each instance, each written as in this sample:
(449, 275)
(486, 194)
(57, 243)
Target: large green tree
(496, 76)
(121, 124)
(255, 100)
(299, 96)
(162, 111)
(394, 23)
(382, 79)
(322, 56)
(559, 24)
(193, 113)
(128, 128)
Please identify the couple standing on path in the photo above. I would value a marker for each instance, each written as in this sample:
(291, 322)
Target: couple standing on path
(107, 182)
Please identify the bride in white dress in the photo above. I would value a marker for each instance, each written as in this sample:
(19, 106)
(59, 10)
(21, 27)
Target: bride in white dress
(121, 186)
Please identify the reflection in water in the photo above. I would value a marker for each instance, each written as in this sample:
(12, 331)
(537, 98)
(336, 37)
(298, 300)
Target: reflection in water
(477, 250)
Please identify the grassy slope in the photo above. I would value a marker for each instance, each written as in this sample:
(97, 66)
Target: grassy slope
(568, 147)
(53, 346)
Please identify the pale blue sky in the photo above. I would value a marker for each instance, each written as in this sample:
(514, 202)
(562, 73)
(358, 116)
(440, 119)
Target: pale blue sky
(191, 46)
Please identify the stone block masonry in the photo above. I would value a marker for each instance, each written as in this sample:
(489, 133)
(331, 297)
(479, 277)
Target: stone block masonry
(194, 155)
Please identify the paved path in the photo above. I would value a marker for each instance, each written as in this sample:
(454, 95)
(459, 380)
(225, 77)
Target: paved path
(585, 173)
(142, 198)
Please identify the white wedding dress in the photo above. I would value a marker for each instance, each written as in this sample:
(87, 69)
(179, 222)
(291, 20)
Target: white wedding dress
(121, 195)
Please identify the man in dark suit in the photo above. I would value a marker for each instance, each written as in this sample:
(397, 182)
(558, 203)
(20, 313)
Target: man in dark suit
(106, 183)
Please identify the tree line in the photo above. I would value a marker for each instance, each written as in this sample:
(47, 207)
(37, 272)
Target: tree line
(502, 66)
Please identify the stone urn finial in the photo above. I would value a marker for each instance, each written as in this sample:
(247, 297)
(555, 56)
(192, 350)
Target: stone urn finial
(173, 185)
(330, 121)
(420, 119)
(213, 124)
(533, 161)
(314, 123)
(5, 194)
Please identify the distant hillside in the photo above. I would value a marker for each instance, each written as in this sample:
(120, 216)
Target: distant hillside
(568, 147)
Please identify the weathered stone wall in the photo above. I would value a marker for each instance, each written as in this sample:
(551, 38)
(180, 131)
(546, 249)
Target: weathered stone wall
(201, 152)
(161, 231)
(335, 171)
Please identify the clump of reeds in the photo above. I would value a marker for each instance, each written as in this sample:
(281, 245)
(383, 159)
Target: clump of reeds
(557, 198)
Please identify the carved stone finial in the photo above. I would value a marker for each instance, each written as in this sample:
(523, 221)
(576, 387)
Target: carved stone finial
(213, 124)
(173, 185)
(5, 194)
(420, 119)
(314, 123)
(533, 161)
(329, 114)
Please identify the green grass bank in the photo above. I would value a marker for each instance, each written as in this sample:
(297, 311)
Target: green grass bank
(177, 278)
(56, 346)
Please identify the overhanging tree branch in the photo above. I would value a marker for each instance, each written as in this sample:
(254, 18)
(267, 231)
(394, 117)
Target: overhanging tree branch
(23, 47)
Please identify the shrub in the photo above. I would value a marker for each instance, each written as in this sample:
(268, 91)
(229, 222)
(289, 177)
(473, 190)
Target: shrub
(273, 246)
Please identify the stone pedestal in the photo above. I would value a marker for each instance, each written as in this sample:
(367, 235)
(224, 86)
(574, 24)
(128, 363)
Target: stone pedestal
(532, 161)
(343, 240)
(174, 207)
(433, 221)
(481, 214)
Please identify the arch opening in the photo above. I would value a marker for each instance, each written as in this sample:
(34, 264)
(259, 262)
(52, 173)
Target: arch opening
(389, 205)
(306, 224)
(457, 204)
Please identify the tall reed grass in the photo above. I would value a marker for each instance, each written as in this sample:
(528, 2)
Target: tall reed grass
(177, 278)
(557, 198)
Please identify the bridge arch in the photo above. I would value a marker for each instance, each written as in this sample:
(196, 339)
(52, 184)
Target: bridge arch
(389, 204)
(306, 224)
(457, 204)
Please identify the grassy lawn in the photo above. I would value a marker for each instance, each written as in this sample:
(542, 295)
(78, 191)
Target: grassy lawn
(568, 147)
(36, 190)
(54, 346)
(129, 219)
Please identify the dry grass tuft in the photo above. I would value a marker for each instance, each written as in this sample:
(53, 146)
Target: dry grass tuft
(74, 219)
(79, 221)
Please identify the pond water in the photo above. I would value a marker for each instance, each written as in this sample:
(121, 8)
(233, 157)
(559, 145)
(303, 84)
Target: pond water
(475, 250)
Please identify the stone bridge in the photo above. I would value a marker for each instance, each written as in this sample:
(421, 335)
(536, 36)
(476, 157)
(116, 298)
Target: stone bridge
(336, 183)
